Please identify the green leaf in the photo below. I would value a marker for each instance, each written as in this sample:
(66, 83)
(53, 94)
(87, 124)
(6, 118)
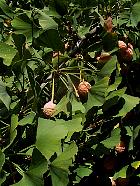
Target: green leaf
(64, 160)
(129, 131)
(34, 176)
(19, 41)
(135, 164)
(51, 39)
(92, 54)
(27, 119)
(121, 173)
(115, 85)
(110, 41)
(38, 165)
(13, 131)
(82, 30)
(4, 97)
(119, 93)
(59, 168)
(34, 85)
(2, 177)
(73, 125)
(14, 122)
(131, 143)
(59, 6)
(109, 67)
(96, 96)
(123, 18)
(82, 171)
(27, 180)
(7, 52)
(130, 103)
(135, 14)
(136, 132)
(59, 176)
(109, 104)
(77, 106)
(51, 12)
(2, 159)
(2, 173)
(49, 135)
(62, 106)
(23, 25)
(6, 9)
(112, 141)
(47, 22)
(96, 11)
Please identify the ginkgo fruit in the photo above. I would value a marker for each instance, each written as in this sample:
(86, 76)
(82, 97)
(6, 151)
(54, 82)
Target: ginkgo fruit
(84, 87)
(122, 45)
(49, 108)
(120, 148)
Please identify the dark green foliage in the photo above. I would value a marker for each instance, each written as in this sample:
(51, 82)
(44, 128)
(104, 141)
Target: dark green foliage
(47, 47)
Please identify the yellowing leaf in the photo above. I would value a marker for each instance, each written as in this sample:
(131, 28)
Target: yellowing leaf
(135, 164)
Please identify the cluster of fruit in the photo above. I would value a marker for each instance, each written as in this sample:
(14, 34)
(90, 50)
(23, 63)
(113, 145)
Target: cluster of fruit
(126, 50)
(126, 53)
(50, 108)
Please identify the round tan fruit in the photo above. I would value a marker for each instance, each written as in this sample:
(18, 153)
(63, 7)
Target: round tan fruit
(130, 46)
(122, 45)
(84, 87)
(120, 148)
(126, 52)
(49, 109)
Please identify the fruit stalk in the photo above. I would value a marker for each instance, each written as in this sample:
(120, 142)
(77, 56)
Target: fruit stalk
(52, 89)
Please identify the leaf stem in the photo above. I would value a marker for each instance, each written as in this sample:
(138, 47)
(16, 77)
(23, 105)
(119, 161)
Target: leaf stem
(53, 89)
(80, 75)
